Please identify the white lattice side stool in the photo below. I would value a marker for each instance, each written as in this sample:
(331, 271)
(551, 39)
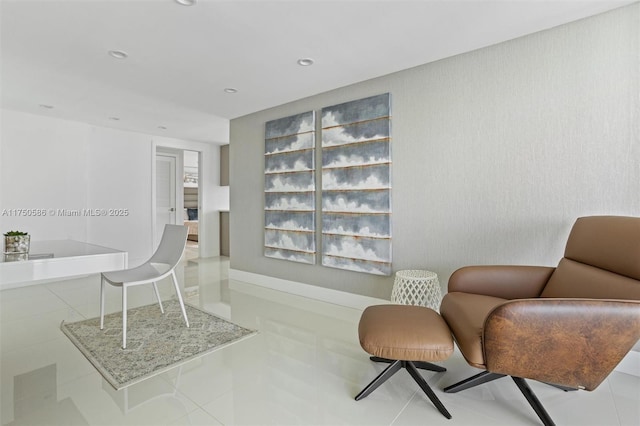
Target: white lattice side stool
(415, 287)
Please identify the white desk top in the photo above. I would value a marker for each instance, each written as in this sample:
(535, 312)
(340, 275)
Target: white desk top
(43, 250)
(49, 260)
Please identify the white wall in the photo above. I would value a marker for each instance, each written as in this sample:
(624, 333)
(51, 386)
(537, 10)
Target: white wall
(119, 168)
(43, 166)
(55, 164)
(495, 153)
(190, 160)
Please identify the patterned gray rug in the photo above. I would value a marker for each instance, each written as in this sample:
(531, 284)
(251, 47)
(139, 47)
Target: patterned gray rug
(155, 342)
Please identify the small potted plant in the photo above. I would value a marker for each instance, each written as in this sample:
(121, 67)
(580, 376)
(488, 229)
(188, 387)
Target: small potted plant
(16, 242)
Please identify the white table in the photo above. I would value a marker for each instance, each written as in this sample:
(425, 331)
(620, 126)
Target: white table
(416, 287)
(50, 260)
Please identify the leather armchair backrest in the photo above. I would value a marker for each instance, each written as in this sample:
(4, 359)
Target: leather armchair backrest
(601, 260)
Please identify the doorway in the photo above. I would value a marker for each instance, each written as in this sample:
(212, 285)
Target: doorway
(166, 200)
(177, 194)
(191, 200)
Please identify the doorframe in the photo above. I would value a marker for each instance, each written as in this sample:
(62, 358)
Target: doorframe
(200, 209)
(178, 192)
(208, 217)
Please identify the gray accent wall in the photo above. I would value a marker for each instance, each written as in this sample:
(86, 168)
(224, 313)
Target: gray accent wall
(495, 153)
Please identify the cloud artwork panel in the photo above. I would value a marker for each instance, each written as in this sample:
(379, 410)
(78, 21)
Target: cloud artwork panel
(355, 265)
(290, 201)
(361, 177)
(362, 248)
(289, 143)
(367, 225)
(358, 154)
(290, 162)
(290, 240)
(292, 256)
(379, 129)
(356, 185)
(289, 186)
(354, 253)
(356, 111)
(376, 201)
(292, 125)
(289, 182)
(292, 221)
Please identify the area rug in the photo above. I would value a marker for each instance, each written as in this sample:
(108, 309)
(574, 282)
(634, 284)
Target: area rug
(155, 342)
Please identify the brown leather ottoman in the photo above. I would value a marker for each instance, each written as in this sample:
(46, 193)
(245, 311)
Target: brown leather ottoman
(407, 337)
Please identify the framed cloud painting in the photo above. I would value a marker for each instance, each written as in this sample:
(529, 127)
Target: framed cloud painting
(289, 188)
(356, 185)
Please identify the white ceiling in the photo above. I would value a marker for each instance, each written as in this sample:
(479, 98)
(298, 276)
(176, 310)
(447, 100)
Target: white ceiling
(54, 52)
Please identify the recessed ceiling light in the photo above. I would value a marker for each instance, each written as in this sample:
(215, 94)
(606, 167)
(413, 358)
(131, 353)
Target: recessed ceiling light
(114, 118)
(305, 62)
(230, 90)
(45, 106)
(118, 54)
(186, 2)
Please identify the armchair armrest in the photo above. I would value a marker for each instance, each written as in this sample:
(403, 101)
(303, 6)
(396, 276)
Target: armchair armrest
(504, 281)
(570, 342)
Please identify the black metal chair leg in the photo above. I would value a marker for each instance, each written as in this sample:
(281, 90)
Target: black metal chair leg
(378, 359)
(426, 388)
(564, 388)
(533, 401)
(472, 381)
(423, 365)
(382, 377)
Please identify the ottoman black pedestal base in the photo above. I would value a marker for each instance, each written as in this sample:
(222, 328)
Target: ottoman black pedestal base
(396, 366)
(422, 365)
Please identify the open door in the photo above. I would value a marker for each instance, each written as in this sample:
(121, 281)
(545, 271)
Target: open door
(165, 192)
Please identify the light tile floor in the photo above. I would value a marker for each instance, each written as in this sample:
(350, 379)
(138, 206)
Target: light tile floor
(304, 367)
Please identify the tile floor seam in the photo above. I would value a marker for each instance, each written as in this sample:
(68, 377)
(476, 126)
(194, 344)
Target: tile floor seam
(33, 345)
(214, 416)
(403, 408)
(183, 416)
(210, 412)
(615, 405)
(63, 300)
(184, 395)
(196, 408)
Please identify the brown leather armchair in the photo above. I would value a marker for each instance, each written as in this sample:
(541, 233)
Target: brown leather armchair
(568, 326)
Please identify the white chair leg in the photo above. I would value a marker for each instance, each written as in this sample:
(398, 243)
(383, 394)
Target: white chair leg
(155, 289)
(101, 302)
(175, 284)
(124, 316)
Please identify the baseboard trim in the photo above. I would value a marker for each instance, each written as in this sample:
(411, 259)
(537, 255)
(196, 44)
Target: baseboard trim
(629, 364)
(328, 295)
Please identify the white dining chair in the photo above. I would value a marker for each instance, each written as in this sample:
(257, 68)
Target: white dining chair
(159, 266)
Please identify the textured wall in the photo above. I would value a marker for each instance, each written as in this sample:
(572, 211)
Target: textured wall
(495, 153)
